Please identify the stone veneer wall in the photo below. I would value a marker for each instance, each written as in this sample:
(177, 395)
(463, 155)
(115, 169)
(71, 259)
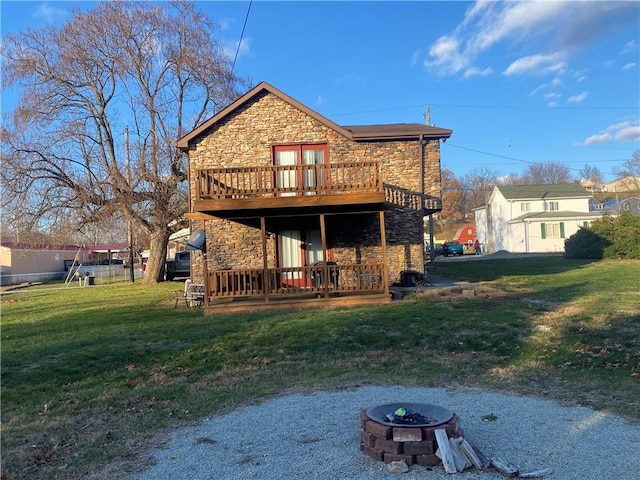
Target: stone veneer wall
(247, 138)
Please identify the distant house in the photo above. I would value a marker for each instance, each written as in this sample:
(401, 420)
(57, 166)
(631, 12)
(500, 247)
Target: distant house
(533, 218)
(617, 206)
(624, 184)
(30, 263)
(177, 242)
(22, 262)
(630, 205)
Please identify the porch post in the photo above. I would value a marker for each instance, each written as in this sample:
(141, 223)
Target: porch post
(325, 273)
(266, 281)
(383, 242)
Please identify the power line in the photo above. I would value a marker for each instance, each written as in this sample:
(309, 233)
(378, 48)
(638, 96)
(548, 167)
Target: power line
(246, 18)
(529, 162)
(505, 107)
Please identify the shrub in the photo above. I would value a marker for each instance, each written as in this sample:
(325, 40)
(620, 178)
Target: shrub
(585, 244)
(607, 237)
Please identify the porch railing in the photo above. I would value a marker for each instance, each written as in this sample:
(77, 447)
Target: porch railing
(288, 180)
(295, 281)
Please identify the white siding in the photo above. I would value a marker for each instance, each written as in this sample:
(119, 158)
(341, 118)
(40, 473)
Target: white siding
(496, 223)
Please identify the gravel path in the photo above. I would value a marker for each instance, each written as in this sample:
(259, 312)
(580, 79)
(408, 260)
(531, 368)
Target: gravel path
(316, 436)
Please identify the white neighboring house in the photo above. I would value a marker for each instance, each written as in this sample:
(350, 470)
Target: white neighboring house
(533, 218)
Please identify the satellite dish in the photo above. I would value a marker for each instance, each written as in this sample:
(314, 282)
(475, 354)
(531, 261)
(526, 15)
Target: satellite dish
(196, 240)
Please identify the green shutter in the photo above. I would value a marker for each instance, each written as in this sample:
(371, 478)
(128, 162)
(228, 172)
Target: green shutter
(585, 224)
(543, 230)
(561, 229)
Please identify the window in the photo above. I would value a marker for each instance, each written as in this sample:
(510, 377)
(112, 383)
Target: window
(552, 230)
(525, 207)
(301, 174)
(553, 206)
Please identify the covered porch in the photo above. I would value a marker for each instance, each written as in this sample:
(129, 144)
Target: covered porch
(307, 261)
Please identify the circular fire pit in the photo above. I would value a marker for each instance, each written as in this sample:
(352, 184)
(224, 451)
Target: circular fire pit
(406, 432)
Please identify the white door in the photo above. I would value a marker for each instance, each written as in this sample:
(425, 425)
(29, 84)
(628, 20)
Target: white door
(286, 178)
(291, 257)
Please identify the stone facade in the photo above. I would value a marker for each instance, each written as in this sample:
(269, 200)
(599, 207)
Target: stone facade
(410, 171)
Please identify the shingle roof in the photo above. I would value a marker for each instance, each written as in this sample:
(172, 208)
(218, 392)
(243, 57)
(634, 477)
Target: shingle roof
(559, 190)
(355, 132)
(396, 130)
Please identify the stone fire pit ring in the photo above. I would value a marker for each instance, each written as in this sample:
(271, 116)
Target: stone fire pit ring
(388, 441)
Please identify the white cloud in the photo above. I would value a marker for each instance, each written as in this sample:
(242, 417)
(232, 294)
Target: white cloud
(47, 13)
(536, 65)
(534, 30)
(629, 47)
(446, 55)
(415, 57)
(628, 66)
(230, 48)
(352, 77)
(225, 24)
(621, 132)
(578, 98)
(476, 72)
(580, 75)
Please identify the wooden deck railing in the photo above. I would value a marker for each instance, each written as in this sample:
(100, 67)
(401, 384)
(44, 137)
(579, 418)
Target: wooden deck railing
(317, 279)
(288, 180)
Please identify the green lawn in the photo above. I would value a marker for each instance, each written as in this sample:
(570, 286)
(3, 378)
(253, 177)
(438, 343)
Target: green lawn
(90, 375)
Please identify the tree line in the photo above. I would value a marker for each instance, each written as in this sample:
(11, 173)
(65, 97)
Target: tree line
(460, 196)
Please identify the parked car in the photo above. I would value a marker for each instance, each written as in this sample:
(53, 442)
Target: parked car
(452, 248)
(438, 250)
(180, 266)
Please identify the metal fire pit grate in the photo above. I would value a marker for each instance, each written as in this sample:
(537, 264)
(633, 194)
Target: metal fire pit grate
(433, 415)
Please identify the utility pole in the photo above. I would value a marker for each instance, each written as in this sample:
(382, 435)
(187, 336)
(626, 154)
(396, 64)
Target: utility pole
(129, 226)
(427, 115)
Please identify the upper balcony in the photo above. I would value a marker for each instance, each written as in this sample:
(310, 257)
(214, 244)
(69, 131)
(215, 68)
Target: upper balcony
(290, 189)
(328, 186)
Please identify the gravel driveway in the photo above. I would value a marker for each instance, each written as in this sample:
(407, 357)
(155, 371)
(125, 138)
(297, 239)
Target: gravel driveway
(316, 436)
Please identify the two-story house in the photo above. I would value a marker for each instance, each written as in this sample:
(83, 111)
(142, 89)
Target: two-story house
(300, 211)
(533, 218)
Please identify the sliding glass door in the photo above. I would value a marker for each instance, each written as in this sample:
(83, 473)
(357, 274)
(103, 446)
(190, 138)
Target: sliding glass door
(307, 177)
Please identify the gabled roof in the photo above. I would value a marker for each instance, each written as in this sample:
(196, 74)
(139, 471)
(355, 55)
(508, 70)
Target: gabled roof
(354, 132)
(537, 192)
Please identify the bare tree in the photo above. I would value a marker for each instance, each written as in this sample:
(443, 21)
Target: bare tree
(546, 173)
(475, 185)
(592, 176)
(629, 172)
(154, 70)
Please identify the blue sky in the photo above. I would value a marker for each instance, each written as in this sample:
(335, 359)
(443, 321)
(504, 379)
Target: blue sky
(519, 83)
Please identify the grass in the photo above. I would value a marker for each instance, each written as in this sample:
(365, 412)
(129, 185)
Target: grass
(90, 376)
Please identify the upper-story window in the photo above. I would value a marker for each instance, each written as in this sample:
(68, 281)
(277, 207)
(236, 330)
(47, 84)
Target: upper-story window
(525, 207)
(301, 172)
(553, 206)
